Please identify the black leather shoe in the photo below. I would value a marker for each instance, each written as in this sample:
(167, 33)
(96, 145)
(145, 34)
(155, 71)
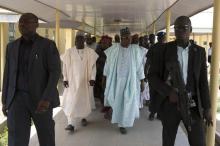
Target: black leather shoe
(158, 116)
(123, 130)
(84, 122)
(70, 128)
(151, 117)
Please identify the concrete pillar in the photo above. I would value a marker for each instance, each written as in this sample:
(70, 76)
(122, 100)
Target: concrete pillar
(200, 40)
(95, 25)
(62, 41)
(17, 33)
(69, 38)
(74, 36)
(57, 30)
(168, 16)
(207, 40)
(83, 26)
(4, 42)
(154, 27)
(193, 36)
(214, 71)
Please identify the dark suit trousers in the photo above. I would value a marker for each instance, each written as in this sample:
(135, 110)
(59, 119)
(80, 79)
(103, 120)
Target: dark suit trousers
(152, 106)
(20, 114)
(171, 118)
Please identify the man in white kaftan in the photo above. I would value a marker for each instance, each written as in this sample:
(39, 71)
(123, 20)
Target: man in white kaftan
(144, 95)
(123, 71)
(79, 70)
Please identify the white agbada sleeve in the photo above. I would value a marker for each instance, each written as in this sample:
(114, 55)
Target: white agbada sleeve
(92, 64)
(65, 59)
(92, 57)
(105, 71)
(93, 74)
(140, 71)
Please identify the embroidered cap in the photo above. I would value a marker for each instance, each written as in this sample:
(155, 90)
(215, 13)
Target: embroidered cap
(125, 31)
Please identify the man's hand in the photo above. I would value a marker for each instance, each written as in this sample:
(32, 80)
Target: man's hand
(66, 84)
(173, 97)
(92, 82)
(43, 106)
(142, 85)
(4, 110)
(208, 117)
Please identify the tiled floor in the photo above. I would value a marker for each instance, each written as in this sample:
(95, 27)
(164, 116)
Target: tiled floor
(101, 132)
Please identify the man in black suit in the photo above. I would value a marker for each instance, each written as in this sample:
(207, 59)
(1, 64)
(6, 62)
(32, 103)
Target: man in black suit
(193, 68)
(154, 102)
(29, 91)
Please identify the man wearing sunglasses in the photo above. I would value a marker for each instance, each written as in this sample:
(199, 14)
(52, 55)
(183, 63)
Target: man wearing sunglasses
(191, 65)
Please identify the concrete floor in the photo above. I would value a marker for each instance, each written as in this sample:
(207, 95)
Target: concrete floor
(101, 132)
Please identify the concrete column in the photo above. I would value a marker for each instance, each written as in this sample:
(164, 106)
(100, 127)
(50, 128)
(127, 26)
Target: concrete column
(4, 41)
(95, 25)
(168, 16)
(62, 41)
(74, 36)
(193, 36)
(69, 38)
(214, 71)
(103, 29)
(154, 28)
(207, 40)
(17, 33)
(200, 40)
(83, 25)
(57, 30)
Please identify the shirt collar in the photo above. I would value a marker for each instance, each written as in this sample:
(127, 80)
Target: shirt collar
(187, 48)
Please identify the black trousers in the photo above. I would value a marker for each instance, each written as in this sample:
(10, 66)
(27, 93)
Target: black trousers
(170, 117)
(20, 114)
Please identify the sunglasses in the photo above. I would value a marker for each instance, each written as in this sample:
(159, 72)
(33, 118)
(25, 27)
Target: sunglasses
(182, 27)
(125, 37)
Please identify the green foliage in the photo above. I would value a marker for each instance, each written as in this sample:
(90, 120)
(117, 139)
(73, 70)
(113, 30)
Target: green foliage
(4, 137)
(218, 105)
(218, 109)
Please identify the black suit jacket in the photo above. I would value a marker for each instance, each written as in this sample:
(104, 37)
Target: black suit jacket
(158, 73)
(44, 71)
(155, 99)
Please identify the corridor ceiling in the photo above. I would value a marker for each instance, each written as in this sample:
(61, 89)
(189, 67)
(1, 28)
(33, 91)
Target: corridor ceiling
(108, 16)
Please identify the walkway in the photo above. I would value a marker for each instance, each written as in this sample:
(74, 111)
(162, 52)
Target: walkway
(101, 132)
